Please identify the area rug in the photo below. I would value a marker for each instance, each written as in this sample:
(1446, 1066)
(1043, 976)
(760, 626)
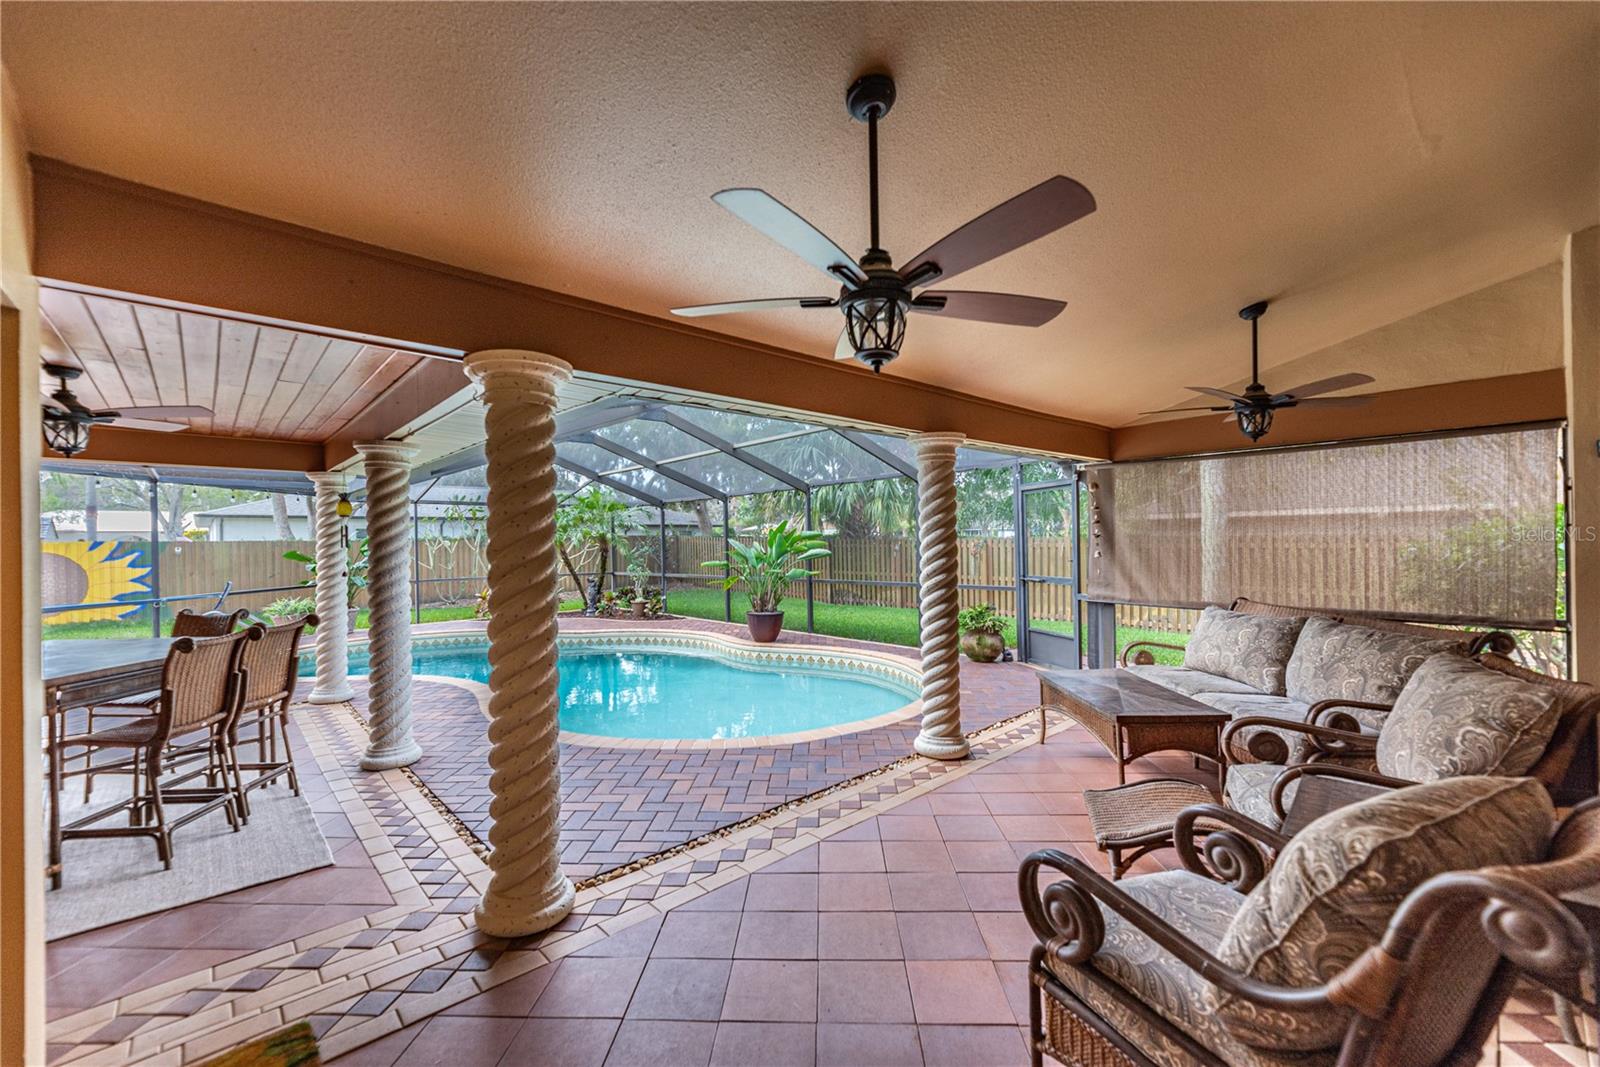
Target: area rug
(107, 881)
(293, 1046)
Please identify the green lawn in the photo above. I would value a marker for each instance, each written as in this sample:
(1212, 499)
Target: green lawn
(893, 626)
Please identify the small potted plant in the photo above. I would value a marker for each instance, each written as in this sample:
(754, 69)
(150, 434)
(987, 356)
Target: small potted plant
(288, 609)
(982, 633)
(766, 567)
(636, 564)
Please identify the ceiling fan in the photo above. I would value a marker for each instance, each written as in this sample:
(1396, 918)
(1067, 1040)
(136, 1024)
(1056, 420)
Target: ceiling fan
(1254, 409)
(67, 419)
(874, 295)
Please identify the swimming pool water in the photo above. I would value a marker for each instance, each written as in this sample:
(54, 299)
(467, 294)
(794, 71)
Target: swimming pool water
(682, 695)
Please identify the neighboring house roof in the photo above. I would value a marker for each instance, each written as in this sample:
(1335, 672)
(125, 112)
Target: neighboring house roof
(107, 521)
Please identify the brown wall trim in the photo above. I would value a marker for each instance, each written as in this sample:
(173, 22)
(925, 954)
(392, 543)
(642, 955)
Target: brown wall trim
(112, 444)
(95, 230)
(1537, 396)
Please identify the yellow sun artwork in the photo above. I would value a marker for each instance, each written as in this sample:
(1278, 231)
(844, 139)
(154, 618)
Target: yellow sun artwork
(92, 572)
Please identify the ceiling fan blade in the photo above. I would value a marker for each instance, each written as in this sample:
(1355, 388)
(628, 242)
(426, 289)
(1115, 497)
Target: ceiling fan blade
(1218, 393)
(1026, 217)
(770, 304)
(1007, 308)
(180, 411)
(842, 348)
(767, 214)
(1333, 401)
(146, 424)
(1168, 411)
(1326, 385)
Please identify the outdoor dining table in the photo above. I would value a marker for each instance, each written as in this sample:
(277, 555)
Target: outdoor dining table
(81, 674)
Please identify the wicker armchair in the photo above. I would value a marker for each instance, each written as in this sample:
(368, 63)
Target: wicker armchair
(1341, 748)
(1186, 968)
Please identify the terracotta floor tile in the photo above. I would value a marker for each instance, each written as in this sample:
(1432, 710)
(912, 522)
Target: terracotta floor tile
(681, 989)
(872, 935)
(634, 940)
(1007, 934)
(697, 934)
(863, 991)
(728, 897)
(561, 1043)
(802, 862)
(941, 935)
(765, 1045)
(589, 988)
(777, 935)
(958, 991)
(947, 802)
(850, 856)
(916, 856)
(781, 892)
(1015, 804)
(513, 998)
(657, 1043)
(981, 855)
(865, 830)
(772, 991)
(966, 1046)
(449, 1041)
(861, 1045)
(926, 891)
(990, 890)
(968, 828)
(908, 828)
(1013, 975)
(853, 892)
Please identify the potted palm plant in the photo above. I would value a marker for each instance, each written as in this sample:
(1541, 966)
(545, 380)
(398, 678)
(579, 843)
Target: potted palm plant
(982, 633)
(355, 578)
(636, 565)
(766, 567)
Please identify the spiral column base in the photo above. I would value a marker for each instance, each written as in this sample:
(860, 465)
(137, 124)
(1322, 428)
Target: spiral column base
(527, 890)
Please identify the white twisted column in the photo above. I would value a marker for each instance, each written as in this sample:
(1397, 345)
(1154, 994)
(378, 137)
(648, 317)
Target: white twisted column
(388, 469)
(527, 890)
(941, 736)
(333, 563)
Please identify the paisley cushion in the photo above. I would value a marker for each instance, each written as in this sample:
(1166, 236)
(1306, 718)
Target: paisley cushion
(1332, 891)
(1253, 649)
(1343, 661)
(1190, 683)
(1202, 910)
(1458, 717)
(1240, 706)
(1248, 790)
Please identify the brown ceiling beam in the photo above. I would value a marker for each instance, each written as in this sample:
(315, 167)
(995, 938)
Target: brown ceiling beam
(113, 444)
(1537, 396)
(101, 232)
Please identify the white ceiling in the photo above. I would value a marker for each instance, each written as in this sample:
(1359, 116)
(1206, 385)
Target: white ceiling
(1357, 163)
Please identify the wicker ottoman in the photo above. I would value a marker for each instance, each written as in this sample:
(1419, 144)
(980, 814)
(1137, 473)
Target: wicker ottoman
(1139, 816)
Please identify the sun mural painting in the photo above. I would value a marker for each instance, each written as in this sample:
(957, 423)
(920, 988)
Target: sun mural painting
(92, 572)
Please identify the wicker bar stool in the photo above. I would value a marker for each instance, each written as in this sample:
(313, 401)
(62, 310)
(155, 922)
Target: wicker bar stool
(201, 685)
(271, 671)
(184, 624)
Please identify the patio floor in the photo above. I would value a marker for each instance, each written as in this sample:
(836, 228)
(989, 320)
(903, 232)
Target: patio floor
(876, 924)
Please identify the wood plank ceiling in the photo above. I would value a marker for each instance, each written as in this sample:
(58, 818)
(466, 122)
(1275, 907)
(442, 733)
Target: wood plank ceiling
(259, 381)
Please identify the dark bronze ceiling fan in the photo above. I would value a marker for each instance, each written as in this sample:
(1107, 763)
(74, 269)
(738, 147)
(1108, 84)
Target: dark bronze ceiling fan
(1254, 409)
(874, 295)
(67, 420)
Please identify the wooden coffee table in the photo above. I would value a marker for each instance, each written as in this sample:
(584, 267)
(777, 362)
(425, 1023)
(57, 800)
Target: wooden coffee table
(1132, 716)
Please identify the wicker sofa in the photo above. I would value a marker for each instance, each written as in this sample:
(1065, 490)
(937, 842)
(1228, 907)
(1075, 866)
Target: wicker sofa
(1271, 661)
(1389, 932)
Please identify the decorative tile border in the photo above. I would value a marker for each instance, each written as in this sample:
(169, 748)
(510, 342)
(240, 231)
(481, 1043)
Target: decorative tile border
(369, 977)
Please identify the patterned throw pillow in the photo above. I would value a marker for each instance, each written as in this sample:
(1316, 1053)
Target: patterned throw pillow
(1457, 717)
(1253, 649)
(1333, 890)
(1346, 661)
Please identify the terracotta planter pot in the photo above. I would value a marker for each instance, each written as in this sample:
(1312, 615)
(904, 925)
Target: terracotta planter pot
(350, 628)
(983, 648)
(765, 626)
(639, 607)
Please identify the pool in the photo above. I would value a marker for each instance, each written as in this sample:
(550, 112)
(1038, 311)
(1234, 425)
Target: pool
(689, 687)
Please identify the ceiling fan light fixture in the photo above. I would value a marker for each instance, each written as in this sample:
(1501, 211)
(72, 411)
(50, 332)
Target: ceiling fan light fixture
(876, 327)
(1254, 422)
(64, 435)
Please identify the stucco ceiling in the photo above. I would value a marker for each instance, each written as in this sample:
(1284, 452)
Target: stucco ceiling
(1357, 163)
